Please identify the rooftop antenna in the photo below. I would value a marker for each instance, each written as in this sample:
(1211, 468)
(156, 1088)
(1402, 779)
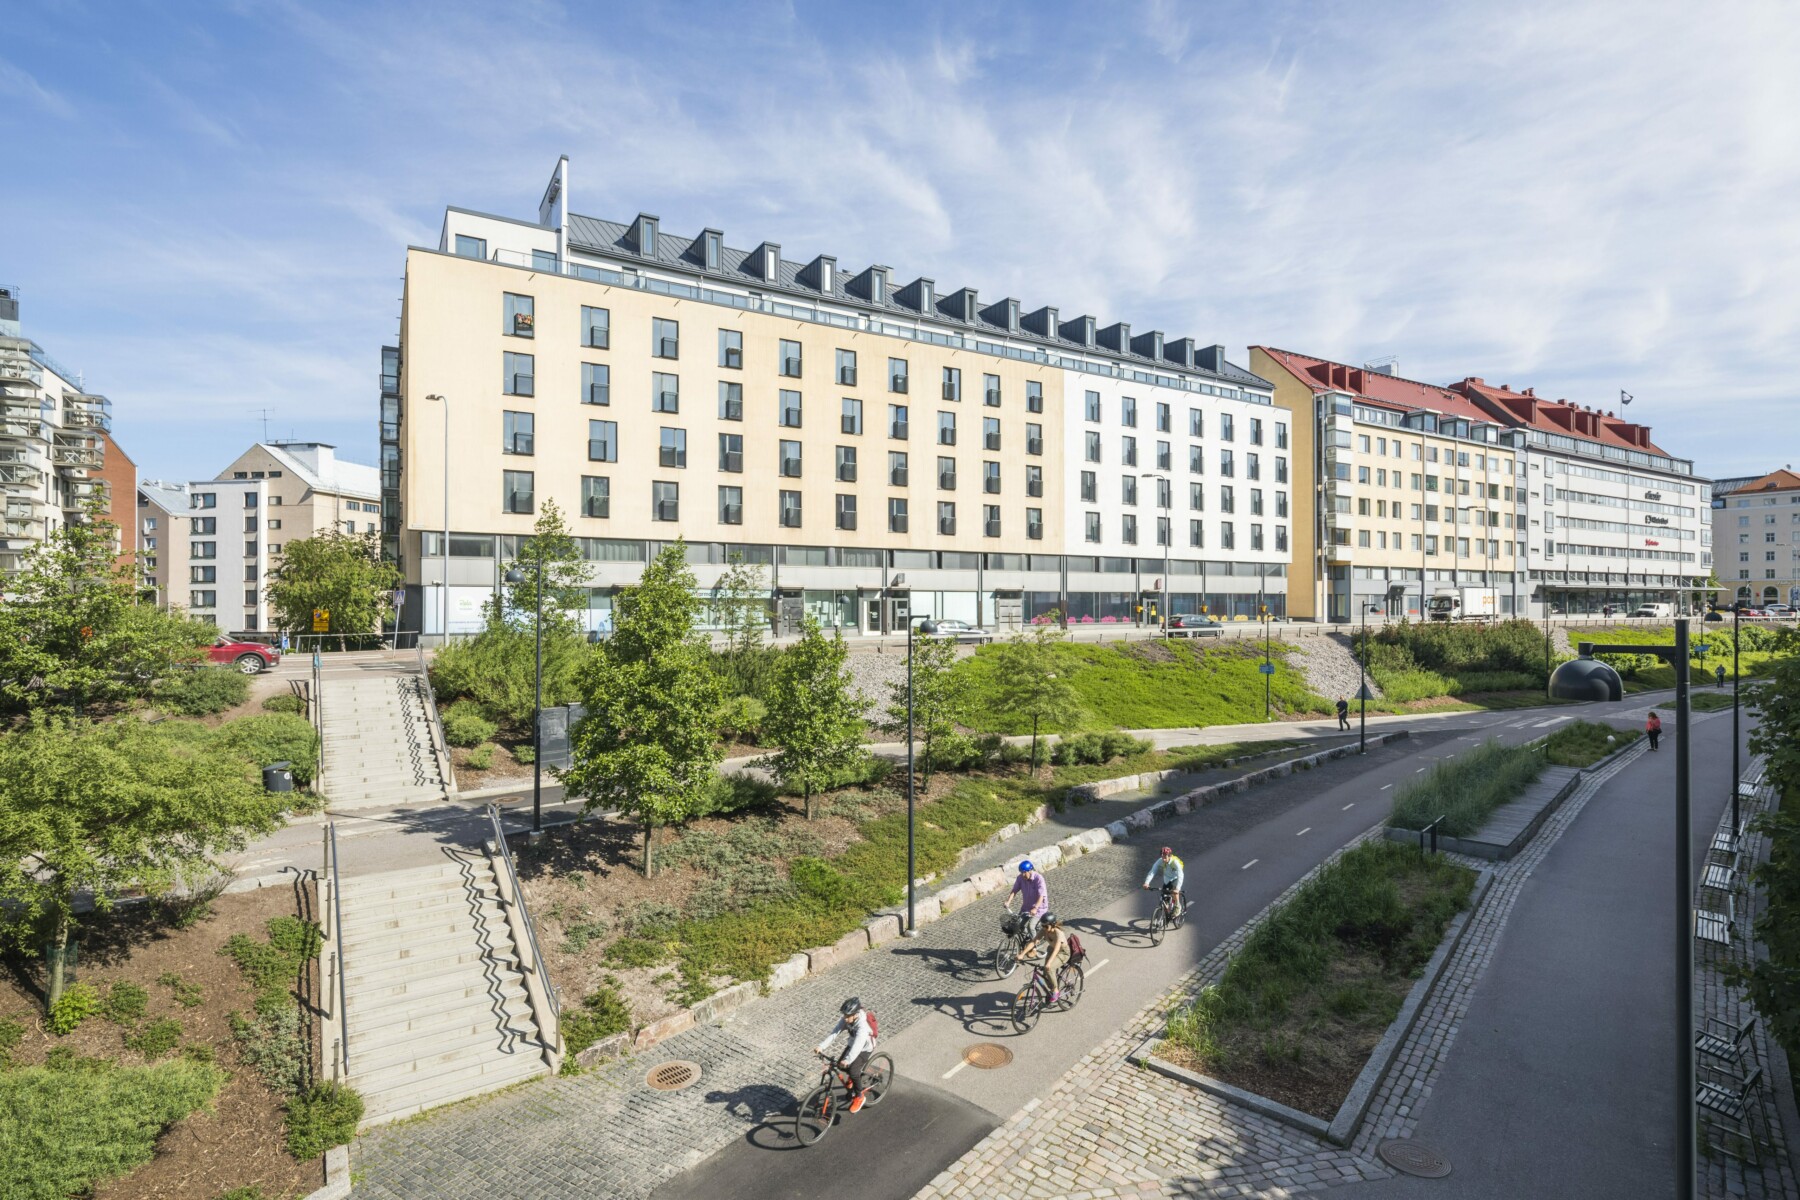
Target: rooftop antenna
(265, 422)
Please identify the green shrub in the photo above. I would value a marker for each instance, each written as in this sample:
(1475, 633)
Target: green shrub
(464, 725)
(525, 755)
(11, 1033)
(496, 671)
(201, 691)
(286, 702)
(736, 793)
(78, 1002)
(273, 966)
(323, 1116)
(125, 1003)
(274, 737)
(602, 1014)
(155, 1039)
(635, 952)
(271, 1042)
(870, 770)
(740, 718)
(1465, 789)
(1585, 743)
(188, 995)
(63, 1132)
(481, 758)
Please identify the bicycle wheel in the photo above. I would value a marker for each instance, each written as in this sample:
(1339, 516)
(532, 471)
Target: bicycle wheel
(1180, 917)
(1069, 981)
(878, 1077)
(1028, 1005)
(1006, 958)
(1159, 921)
(816, 1114)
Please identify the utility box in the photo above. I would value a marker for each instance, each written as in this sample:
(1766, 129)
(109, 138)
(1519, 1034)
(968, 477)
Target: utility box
(278, 777)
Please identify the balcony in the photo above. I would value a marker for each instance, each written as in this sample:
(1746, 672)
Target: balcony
(20, 475)
(88, 489)
(76, 457)
(897, 384)
(21, 428)
(20, 526)
(16, 365)
(846, 376)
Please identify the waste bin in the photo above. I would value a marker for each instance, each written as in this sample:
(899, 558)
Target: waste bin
(278, 777)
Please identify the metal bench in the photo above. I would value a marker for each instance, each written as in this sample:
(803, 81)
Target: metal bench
(1722, 877)
(1725, 843)
(1731, 1099)
(1714, 927)
(1725, 1042)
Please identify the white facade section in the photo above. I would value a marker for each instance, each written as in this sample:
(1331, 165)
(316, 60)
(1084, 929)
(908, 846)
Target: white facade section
(227, 557)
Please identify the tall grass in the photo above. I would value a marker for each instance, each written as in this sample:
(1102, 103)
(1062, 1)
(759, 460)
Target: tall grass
(1585, 743)
(1465, 789)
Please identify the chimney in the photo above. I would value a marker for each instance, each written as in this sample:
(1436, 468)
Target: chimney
(1150, 345)
(963, 304)
(1080, 331)
(1116, 336)
(1042, 322)
(1180, 351)
(1212, 358)
(920, 295)
(643, 234)
(768, 262)
(820, 274)
(1530, 391)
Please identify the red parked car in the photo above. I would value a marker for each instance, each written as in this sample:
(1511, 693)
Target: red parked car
(252, 658)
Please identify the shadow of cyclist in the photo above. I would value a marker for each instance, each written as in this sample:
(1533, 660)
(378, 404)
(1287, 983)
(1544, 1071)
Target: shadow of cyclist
(964, 966)
(1134, 935)
(988, 1014)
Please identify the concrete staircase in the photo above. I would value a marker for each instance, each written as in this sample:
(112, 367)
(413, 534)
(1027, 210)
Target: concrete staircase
(379, 746)
(435, 991)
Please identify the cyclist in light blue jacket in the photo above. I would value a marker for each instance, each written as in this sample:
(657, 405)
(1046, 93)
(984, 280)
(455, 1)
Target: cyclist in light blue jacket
(1173, 874)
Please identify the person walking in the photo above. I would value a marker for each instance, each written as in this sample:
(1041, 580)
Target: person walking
(1343, 713)
(1653, 727)
(1719, 674)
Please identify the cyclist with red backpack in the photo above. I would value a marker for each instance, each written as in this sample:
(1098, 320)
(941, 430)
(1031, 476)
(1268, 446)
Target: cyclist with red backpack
(859, 1023)
(1057, 949)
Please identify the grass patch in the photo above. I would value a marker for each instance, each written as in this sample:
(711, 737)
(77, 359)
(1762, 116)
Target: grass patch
(1318, 983)
(1703, 702)
(323, 1116)
(274, 966)
(1465, 789)
(64, 1131)
(1187, 759)
(602, 1014)
(1586, 742)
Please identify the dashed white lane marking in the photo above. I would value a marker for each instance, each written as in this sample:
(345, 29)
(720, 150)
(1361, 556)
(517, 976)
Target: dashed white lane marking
(1250, 864)
(1348, 806)
(1095, 969)
(953, 1070)
(1550, 722)
(1417, 772)
(1386, 786)
(1308, 829)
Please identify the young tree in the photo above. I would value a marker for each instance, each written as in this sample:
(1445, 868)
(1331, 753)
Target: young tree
(553, 548)
(72, 631)
(647, 742)
(814, 718)
(742, 611)
(1026, 682)
(340, 573)
(101, 808)
(939, 696)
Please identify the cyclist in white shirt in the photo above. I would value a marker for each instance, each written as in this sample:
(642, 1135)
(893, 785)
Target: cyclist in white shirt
(855, 1058)
(1173, 873)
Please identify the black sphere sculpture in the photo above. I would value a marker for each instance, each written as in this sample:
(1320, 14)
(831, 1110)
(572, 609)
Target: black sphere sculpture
(1586, 679)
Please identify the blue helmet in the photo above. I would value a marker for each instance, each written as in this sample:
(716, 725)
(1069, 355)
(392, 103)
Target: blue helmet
(1026, 865)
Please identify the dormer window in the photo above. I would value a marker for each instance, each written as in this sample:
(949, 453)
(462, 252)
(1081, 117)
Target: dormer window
(713, 249)
(877, 288)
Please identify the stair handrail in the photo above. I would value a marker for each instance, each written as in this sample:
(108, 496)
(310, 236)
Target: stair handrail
(440, 747)
(318, 716)
(337, 924)
(537, 957)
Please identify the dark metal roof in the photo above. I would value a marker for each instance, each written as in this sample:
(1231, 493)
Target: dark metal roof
(741, 267)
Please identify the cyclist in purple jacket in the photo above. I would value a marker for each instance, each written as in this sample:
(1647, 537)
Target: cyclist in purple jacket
(1033, 895)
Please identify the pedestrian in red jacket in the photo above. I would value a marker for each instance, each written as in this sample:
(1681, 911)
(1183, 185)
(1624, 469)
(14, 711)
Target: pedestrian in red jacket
(1653, 727)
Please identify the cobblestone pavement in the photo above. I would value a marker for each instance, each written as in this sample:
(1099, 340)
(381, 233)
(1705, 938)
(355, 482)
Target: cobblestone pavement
(1109, 1131)
(606, 1134)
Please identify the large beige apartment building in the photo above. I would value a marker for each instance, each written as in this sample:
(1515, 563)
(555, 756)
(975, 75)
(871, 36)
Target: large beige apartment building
(1756, 532)
(883, 447)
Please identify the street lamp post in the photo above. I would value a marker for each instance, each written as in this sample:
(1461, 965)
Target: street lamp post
(537, 705)
(444, 609)
(1584, 678)
(1362, 693)
(1736, 709)
(926, 626)
(1262, 610)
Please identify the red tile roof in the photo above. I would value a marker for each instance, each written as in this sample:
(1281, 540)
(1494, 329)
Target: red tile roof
(1775, 481)
(1375, 387)
(1527, 408)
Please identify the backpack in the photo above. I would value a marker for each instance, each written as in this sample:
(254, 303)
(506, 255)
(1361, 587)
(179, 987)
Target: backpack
(874, 1032)
(1076, 953)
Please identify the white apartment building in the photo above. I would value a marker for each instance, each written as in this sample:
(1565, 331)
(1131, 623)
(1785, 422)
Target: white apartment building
(227, 555)
(1756, 532)
(162, 517)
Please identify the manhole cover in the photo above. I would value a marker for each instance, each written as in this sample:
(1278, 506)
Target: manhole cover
(987, 1056)
(673, 1076)
(1414, 1159)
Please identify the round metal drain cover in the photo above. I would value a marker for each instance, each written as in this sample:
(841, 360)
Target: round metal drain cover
(986, 1056)
(673, 1076)
(1414, 1159)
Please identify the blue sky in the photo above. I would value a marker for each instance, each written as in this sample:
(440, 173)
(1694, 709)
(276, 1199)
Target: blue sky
(207, 204)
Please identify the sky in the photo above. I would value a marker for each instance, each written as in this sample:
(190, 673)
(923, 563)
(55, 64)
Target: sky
(208, 204)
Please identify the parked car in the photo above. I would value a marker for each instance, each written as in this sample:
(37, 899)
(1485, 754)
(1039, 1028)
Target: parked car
(1779, 610)
(1194, 625)
(252, 658)
(1750, 613)
(962, 631)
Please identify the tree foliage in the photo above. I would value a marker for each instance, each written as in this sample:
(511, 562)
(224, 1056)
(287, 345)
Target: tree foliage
(1773, 980)
(1027, 683)
(813, 716)
(497, 670)
(939, 696)
(554, 550)
(646, 743)
(72, 630)
(740, 605)
(340, 573)
(102, 808)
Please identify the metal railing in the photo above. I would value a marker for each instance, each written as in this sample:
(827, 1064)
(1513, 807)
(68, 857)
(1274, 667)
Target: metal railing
(1430, 830)
(440, 746)
(318, 717)
(336, 932)
(553, 1036)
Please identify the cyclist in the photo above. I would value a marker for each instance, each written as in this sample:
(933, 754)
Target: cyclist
(1034, 899)
(855, 1058)
(1173, 873)
(1056, 953)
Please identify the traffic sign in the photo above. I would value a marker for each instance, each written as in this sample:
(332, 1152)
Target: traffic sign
(1265, 668)
(321, 620)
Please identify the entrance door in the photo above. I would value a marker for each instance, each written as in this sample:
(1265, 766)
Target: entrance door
(1009, 611)
(897, 609)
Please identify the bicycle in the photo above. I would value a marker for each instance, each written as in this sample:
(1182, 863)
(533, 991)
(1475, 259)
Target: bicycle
(1013, 932)
(1034, 999)
(819, 1111)
(1169, 914)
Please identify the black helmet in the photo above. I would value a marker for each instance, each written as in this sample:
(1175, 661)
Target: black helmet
(1051, 918)
(852, 1005)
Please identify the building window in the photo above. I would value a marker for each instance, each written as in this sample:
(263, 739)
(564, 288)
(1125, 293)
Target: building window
(519, 491)
(1227, 432)
(1034, 524)
(897, 474)
(1163, 456)
(1281, 539)
(990, 390)
(1256, 536)
(517, 371)
(516, 433)
(790, 460)
(1128, 489)
(1226, 467)
(204, 500)
(946, 517)
(790, 510)
(517, 315)
(790, 359)
(731, 349)
(665, 338)
(1034, 481)
(1227, 498)
(1128, 411)
(203, 574)
(852, 417)
(469, 247)
(603, 441)
(1162, 531)
(1197, 534)
(1089, 487)
(203, 599)
(731, 401)
(990, 478)
(946, 474)
(990, 433)
(1034, 397)
(665, 392)
(596, 496)
(1197, 460)
(1253, 467)
(1128, 529)
(203, 550)
(1256, 502)
(1034, 439)
(1227, 536)
(1091, 447)
(1197, 497)
(596, 383)
(846, 368)
(953, 383)
(731, 506)
(897, 380)
(205, 526)
(946, 429)
(846, 511)
(596, 327)
(665, 501)
(1163, 417)
(1256, 432)
(990, 520)
(731, 453)
(1128, 450)
(1196, 423)
(1091, 527)
(789, 413)
(249, 499)
(897, 426)
(1092, 406)
(897, 515)
(846, 464)
(672, 451)
(1281, 442)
